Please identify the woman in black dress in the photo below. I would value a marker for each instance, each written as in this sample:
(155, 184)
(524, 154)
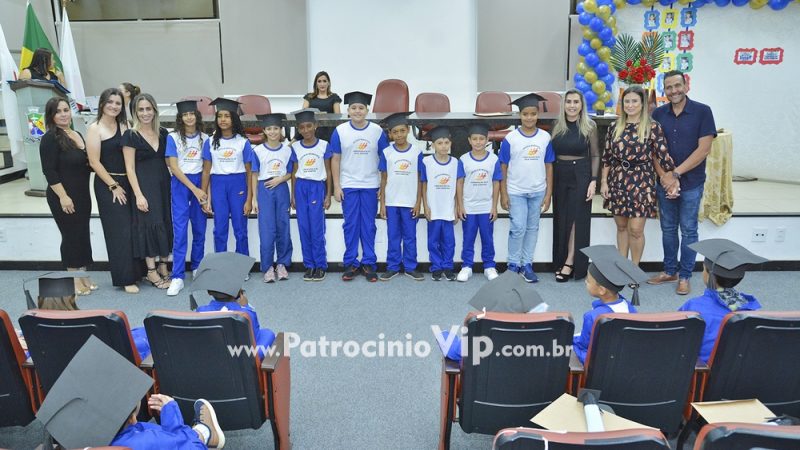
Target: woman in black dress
(66, 168)
(111, 188)
(324, 100)
(634, 145)
(144, 146)
(577, 161)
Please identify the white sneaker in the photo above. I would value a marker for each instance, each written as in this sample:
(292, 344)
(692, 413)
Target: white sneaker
(464, 274)
(175, 287)
(194, 274)
(490, 273)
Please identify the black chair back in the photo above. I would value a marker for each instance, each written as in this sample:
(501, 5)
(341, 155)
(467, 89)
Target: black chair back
(745, 436)
(15, 400)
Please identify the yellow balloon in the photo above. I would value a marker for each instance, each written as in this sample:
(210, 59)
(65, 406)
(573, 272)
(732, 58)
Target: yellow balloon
(758, 4)
(614, 30)
(598, 87)
(599, 105)
(595, 43)
(648, 3)
(620, 3)
(588, 34)
(684, 2)
(605, 96)
(590, 6)
(604, 53)
(590, 76)
(604, 12)
(612, 21)
(581, 68)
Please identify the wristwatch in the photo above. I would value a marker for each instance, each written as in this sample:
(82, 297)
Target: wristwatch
(113, 186)
(676, 174)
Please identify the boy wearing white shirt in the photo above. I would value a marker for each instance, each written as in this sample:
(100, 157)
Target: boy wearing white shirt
(442, 182)
(400, 199)
(354, 167)
(481, 192)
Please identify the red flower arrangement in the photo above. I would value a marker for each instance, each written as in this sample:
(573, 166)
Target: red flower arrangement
(636, 72)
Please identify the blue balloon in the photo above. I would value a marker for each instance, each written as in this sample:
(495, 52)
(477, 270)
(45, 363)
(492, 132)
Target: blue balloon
(592, 59)
(601, 69)
(610, 103)
(605, 34)
(578, 78)
(740, 2)
(584, 49)
(582, 86)
(596, 24)
(591, 97)
(613, 8)
(665, 2)
(609, 79)
(585, 18)
(610, 43)
(604, 2)
(579, 8)
(778, 5)
(634, 2)
(722, 2)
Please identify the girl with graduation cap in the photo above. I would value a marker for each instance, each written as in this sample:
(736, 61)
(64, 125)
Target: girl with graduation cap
(184, 157)
(226, 169)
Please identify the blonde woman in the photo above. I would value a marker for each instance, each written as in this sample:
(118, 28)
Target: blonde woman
(144, 147)
(634, 145)
(575, 180)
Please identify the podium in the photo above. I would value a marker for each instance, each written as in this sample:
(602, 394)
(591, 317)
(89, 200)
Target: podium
(32, 95)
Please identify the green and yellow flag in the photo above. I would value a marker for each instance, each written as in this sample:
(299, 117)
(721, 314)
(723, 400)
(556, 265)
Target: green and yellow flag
(35, 38)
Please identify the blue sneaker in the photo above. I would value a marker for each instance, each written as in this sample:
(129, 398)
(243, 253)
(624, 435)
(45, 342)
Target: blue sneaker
(513, 268)
(529, 274)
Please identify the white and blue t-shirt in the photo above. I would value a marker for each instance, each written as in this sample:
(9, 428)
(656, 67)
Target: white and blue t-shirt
(526, 157)
(190, 154)
(441, 189)
(271, 162)
(231, 155)
(402, 175)
(359, 150)
(311, 160)
(479, 178)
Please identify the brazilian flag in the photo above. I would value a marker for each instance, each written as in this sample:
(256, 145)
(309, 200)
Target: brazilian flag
(35, 38)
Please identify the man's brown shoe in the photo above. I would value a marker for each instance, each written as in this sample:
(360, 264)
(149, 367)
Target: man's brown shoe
(663, 278)
(683, 287)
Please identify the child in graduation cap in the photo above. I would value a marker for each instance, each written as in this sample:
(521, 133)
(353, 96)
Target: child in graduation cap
(185, 160)
(526, 160)
(271, 170)
(227, 160)
(442, 183)
(356, 180)
(311, 194)
(723, 269)
(607, 275)
(481, 192)
(400, 198)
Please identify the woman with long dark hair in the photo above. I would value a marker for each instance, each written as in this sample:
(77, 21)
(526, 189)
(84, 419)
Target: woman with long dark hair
(66, 168)
(42, 67)
(111, 188)
(575, 179)
(143, 147)
(129, 92)
(322, 98)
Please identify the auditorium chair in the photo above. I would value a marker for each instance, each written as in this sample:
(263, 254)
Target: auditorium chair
(551, 105)
(499, 391)
(191, 357)
(534, 439)
(252, 105)
(16, 393)
(203, 104)
(494, 102)
(746, 436)
(429, 102)
(644, 365)
(391, 96)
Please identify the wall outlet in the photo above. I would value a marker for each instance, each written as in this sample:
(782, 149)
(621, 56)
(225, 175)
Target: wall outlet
(780, 234)
(759, 235)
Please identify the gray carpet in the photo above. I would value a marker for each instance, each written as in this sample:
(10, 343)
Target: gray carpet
(366, 402)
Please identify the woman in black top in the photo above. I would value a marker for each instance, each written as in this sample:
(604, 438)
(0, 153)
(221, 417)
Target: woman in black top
(42, 67)
(144, 146)
(575, 179)
(111, 188)
(324, 100)
(66, 168)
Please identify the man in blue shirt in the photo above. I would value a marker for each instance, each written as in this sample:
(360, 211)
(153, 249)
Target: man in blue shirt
(689, 128)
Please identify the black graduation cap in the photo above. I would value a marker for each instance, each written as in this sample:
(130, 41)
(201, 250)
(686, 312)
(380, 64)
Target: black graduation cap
(304, 116)
(507, 293)
(726, 258)
(270, 120)
(185, 106)
(439, 133)
(614, 272)
(221, 272)
(528, 100)
(357, 97)
(93, 397)
(396, 119)
(478, 128)
(53, 284)
(226, 104)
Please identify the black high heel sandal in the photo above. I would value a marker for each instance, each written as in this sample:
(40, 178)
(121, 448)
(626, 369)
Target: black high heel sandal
(564, 277)
(160, 283)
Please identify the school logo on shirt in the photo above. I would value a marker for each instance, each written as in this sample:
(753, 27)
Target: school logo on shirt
(275, 165)
(479, 177)
(531, 152)
(402, 167)
(310, 162)
(442, 181)
(360, 146)
(227, 153)
(192, 153)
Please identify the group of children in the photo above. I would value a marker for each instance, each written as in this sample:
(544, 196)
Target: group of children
(368, 174)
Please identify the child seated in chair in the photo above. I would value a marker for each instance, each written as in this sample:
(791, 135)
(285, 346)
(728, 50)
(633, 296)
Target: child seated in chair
(607, 276)
(723, 269)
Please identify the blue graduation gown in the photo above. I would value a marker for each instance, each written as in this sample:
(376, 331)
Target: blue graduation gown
(172, 433)
(712, 310)
(580, 343)
(264, 336)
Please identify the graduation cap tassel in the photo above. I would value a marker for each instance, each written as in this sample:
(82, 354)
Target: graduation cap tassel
(635, 297)
(192, 302)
